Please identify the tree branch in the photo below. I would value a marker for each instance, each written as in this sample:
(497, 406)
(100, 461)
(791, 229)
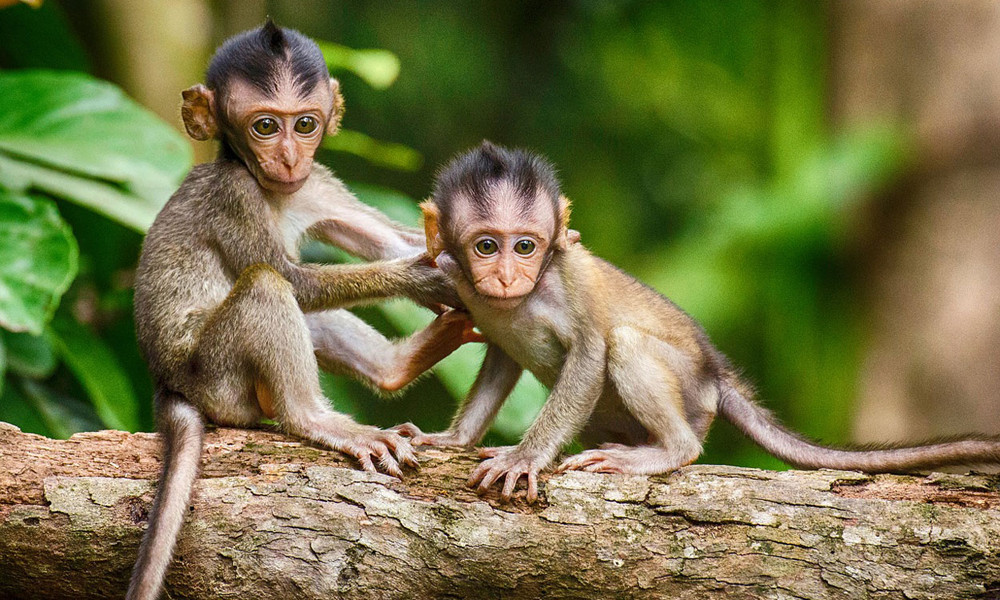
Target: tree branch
(273, 518)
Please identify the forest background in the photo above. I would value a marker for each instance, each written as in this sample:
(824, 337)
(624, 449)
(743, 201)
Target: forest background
(817, 183)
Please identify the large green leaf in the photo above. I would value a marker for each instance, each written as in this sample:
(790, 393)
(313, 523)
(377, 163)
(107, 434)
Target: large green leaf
(83, 140)
(29, 355)
(38, 260)
(379, 68)
(99, 372)
(3, 365)
(378, 152)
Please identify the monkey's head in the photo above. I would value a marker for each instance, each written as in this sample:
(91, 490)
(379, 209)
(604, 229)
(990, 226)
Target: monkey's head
(268, 98)
(499, 213)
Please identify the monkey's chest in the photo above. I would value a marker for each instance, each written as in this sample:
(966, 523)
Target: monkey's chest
(532, 344)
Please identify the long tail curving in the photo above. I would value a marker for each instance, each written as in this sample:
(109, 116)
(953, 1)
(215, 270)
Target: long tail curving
(761, 427)
(183, 431)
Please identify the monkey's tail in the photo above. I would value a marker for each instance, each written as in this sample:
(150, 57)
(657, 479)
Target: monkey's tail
(764, 429)
(183, 431)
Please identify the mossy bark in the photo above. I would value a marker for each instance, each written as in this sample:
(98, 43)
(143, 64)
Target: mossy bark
(273, 518)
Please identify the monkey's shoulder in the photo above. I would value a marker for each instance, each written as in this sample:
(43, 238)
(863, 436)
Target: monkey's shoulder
(628, 302)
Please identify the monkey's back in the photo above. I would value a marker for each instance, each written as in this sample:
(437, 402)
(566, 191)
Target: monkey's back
(626, 301)
(180, 277)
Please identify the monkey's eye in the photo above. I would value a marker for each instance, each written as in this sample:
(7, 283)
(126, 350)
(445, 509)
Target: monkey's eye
(524, 247)
(486, 247)
(266, 126)
(305, 125)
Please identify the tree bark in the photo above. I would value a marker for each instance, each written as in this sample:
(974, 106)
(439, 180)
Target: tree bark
(274, 518)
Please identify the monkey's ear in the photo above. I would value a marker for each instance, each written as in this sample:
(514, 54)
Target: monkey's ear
(564, 237)
(198, 112)
(337, 110)
(434, 244)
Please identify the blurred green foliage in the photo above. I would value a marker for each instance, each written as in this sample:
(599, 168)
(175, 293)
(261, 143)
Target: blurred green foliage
(692, 137)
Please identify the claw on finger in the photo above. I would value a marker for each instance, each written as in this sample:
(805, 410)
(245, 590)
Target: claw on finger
(477, 474)
(490, 452)
(532, 495)
(365, 458)
(508, 485)
(489, 479)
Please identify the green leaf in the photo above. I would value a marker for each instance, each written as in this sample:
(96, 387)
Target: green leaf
(16, 409)
(97, 369)
(101, 197)
(379, 68)
(62, 415)
(3, 365)
(38, 260)
(29, 355)
(84, 140)
(385, 154)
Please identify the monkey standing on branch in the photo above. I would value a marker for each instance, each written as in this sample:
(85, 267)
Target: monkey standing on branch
(630, 371)
(229, 321)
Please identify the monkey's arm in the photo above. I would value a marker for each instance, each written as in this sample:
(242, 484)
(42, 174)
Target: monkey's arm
(319, 287)
(245, 239)
(365, 232)
(493, 384)
(567, 409)
(346, 344)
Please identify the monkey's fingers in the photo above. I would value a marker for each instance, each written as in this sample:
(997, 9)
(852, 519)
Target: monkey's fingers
(408, 429)
(532, 495)
(387, 461)
(510, 482)
(486, 474)
(364, 458)
(579, 462)
(603, 466)
(470, 335)
(402, 449)
(493, 451)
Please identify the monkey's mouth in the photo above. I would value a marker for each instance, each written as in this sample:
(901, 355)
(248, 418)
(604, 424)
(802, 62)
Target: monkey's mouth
(497, 301)
(282, 186)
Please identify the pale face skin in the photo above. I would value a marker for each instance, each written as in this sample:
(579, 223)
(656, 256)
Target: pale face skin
(277, 135)
(506, 252)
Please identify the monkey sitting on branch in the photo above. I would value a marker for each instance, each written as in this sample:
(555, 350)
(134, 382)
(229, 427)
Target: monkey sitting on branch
(628, 370)
(229, 320)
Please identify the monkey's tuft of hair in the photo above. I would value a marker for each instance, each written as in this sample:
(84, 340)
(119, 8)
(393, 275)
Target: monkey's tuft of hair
(274, 36)
(261, 56)
(474, 173)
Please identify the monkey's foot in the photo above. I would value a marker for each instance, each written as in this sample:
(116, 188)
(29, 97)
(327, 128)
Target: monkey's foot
(387, 447)
(510, 463)
(619, 458)
(419, 438)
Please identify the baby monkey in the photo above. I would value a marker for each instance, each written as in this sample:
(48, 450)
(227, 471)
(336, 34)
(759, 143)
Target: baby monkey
(628, 370)
(230, 321)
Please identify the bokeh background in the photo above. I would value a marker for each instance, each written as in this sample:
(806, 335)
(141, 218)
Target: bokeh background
(817, 182)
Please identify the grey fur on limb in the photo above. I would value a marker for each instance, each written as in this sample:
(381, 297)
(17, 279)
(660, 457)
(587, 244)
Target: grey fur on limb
(274, 518)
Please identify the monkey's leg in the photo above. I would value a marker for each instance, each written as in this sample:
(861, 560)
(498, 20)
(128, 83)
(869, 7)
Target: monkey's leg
(257, 339)
(494, 382)
(648, 375)
(345, 344)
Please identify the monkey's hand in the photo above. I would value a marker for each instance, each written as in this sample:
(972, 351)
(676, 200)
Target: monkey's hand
(444, 438)
(387, 447)
(511, 463)
(430, 286)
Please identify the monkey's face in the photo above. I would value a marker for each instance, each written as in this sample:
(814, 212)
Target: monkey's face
(505, 252)
(277, 134)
